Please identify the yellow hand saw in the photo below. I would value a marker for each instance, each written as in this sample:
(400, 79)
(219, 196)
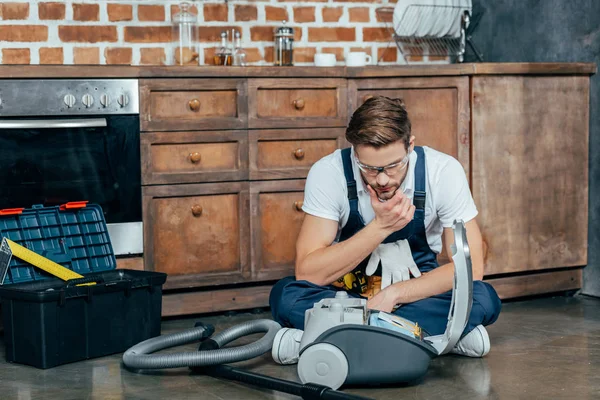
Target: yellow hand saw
(8, 248)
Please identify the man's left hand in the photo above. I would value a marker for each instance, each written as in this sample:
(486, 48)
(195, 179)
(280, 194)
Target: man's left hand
(384, 301)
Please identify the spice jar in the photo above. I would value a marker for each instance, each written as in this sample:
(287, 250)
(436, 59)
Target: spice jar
(185, 37)
(284, 46)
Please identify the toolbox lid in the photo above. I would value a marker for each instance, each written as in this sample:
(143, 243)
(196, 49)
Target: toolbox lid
(73, 235)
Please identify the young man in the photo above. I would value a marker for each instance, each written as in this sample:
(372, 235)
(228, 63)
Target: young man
(376, 214)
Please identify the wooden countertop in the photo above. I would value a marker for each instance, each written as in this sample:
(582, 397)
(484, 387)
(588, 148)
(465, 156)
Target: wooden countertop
(107, 71)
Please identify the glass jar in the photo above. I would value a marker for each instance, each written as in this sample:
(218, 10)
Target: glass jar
(284, 46)
(185, 37)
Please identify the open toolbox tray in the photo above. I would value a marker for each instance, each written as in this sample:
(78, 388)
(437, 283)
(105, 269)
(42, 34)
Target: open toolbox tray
(48, 321)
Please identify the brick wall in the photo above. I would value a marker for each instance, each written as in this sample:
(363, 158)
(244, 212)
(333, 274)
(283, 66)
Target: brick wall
(138, 32)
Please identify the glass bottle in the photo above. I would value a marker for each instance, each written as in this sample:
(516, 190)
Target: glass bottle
(284, 46)
(239, 55)
(185, 37)
(223, 53)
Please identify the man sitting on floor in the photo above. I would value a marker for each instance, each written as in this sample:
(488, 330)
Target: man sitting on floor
(384, 199)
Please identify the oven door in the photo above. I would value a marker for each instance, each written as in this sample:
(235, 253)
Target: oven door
(52, 161)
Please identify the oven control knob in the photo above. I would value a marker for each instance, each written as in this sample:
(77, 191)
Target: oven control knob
(87, 100)
(69, 100)
(105, 100)
(123, 100)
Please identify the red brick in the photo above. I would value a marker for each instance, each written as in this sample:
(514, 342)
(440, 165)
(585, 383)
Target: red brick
(359, 14)
(213, 33)
(54, 11)
(332, 14)
(119, 12)
(276, 14)
(148, 34)
(304, 14)
(252, 55)
(152, 56)
(215, 12)
(118, 55)
(245, 13)
(303, 1)
(86, 12)
(270, 54)
(439, 58)
(86, 55)
(384, 17)
(51, 55)
(376, 35)
(23, 33)
(365, 49)
(389, 54)
(151, 13)
(16, 56)
(339, 52)
(14, 11)
(331, 35)
(304, 54)
(357, 1)
(266, 33)
(87, 33)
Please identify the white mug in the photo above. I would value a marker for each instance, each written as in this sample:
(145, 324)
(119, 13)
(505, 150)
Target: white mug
(325, 59)
(358, 59)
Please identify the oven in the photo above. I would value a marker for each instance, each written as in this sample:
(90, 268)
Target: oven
(74, 140)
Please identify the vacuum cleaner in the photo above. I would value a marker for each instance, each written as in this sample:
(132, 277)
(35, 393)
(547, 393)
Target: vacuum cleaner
(343, 343)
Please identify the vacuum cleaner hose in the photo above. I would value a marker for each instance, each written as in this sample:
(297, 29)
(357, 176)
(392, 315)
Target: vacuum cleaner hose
(139, 356)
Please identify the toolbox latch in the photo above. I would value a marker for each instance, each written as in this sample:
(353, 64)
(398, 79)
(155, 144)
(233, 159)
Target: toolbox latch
(11, 211)
(73, 205)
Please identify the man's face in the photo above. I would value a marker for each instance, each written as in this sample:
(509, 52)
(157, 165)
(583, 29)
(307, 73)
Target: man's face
(393, 157)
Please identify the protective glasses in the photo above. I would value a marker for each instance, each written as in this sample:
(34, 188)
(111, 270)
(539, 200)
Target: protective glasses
(390, 170)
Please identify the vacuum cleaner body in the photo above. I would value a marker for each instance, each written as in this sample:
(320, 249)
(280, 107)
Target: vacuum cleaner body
(345, 343)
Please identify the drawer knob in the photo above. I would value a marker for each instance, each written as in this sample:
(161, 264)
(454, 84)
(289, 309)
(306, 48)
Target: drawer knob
(197, 210)
(298, 205)
(299, 154)
(194, 105)
(299, 104)
(195, 157)
(367, 97)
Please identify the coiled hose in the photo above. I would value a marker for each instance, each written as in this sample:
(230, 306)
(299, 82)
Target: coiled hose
(139, 356)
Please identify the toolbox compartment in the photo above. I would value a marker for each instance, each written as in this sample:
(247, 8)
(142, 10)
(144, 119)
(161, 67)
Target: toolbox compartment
(50, 322)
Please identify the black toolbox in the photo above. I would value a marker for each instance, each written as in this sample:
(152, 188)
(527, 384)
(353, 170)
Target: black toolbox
(49, 322)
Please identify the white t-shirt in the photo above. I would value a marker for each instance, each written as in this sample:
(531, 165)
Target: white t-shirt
(448, 194)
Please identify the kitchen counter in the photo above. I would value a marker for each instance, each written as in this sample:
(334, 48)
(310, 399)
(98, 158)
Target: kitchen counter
(467, 69)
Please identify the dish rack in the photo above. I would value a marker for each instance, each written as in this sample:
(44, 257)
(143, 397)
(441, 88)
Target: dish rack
(410, 43)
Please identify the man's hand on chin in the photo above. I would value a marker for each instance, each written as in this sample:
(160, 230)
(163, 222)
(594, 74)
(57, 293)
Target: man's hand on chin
(385, 300)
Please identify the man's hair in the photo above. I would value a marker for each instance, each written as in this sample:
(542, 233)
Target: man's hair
(379, 121)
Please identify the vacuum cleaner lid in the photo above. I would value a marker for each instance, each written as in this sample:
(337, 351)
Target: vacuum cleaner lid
(462, 293)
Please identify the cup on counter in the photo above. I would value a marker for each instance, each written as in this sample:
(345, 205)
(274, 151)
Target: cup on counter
(325, 60)
(358, 59)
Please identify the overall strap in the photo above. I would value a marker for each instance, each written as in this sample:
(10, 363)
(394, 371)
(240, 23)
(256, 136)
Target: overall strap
(350, 182)
(420, 182)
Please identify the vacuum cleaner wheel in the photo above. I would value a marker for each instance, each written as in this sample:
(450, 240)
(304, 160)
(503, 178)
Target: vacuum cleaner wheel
(324, 364)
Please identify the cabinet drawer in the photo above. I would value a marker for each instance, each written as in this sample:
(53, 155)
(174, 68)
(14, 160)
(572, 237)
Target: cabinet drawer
(282, 153)
(186, 157)
(275, 224)
(197, 233)
(192, 104)
(300, 102)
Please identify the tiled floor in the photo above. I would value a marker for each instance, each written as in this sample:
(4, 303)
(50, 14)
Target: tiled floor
(541, 349)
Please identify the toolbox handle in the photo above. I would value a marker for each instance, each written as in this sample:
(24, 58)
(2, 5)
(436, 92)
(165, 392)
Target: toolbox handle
(85, 279)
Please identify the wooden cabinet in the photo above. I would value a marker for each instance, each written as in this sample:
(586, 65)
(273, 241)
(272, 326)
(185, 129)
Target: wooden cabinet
(224, 163)
(197, 233)
(276, 218)
(530, 170)
(438, 108)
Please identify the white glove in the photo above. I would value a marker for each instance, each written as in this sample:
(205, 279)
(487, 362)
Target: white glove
(396, 263)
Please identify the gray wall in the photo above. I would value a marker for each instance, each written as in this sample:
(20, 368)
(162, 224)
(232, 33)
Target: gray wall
(548, 31)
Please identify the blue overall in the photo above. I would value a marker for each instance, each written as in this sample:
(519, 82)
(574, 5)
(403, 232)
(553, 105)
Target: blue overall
(290, 298)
